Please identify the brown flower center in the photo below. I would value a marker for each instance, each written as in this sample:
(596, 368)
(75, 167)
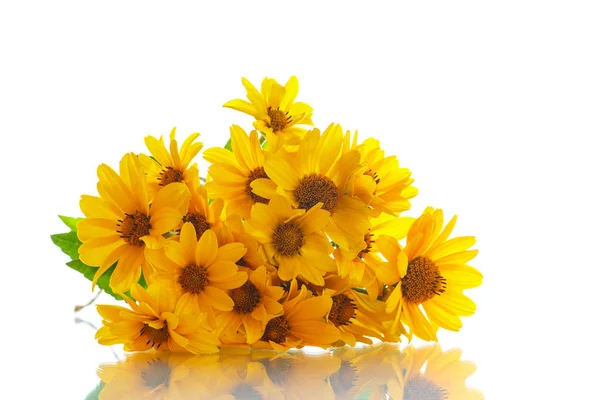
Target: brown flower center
(193, 278)
(368, 241)
(342, 310)
(279, 119)
(258, 173)
(133, 227)
(315, 188)
(199, 221)
(156, 373)
(421, 388)
(170, 175)
(277, 330)
(245, 298)
(422, 281)
(288, 238)
(155, 336)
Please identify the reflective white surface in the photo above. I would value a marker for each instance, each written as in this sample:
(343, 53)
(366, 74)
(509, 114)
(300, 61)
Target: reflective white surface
(492, 105)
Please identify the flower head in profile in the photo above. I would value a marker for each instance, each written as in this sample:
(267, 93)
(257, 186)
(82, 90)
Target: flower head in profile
(233, 172)
(205, 215)
(235, 231)
(170, 165)
(155, 321)
(383, 185)
(428, 276)
(320, 173)
(293, 239)
(276, 112)
(198, 272)
(255, 302)
(360, 261)
(120, 225)
(302, 324)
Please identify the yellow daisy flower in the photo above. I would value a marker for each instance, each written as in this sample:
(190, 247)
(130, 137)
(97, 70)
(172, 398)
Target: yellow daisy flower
(429, 373)
(233, 172)
(155, 321)
(199, 272)
(300, 325)
(384, 186)
(319, 173)
(120, 224)
(293, 239)
(172, 165)
(276, 113)
(255, 302)
(428, 276)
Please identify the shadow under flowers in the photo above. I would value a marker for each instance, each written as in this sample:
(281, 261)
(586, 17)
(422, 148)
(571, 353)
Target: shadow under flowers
(375, 372)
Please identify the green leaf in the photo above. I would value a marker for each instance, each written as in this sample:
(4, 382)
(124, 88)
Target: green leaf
(228, 145)
(89, 272)
(71, 222)
(94, 394)
(68, 243)
(263, 141)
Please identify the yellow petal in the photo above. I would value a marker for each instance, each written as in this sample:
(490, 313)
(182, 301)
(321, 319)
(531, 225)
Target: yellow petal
(241, 105)
(206, 249)
(164, 220)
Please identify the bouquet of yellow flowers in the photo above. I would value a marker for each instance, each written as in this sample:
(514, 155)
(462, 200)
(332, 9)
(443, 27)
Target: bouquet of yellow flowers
(295, 237)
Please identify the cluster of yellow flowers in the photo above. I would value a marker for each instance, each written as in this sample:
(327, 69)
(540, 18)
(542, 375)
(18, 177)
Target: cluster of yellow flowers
(374, 372)
(295, 239)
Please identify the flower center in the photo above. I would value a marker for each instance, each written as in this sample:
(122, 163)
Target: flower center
(199, 221)
(156, 373)
(193, 279)
(133, 227)
(279, 119)
(342, 310)
(315, 188)
(170, 175)
(277, 330)
(422, 281)
(258, 173)
(369, 241)
(245, 298)
(421, 388)
(288, 238)
(155, 336)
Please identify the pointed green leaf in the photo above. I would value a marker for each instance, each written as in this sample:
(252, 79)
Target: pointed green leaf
(228, 145)
(68, 243)
(70, 221)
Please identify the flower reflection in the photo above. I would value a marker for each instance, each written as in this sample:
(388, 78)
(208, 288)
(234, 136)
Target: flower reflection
(375, 372)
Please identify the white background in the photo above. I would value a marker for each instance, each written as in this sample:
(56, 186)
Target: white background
(493, 105)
